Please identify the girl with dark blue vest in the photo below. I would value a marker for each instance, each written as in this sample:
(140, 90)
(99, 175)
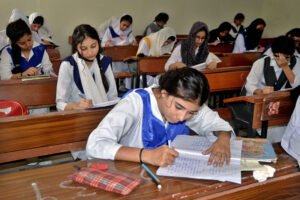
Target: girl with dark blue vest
(23, 57)
(141, 125)
(86, 77)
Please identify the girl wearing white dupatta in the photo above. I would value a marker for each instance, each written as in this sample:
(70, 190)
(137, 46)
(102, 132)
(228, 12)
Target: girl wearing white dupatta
(85, 78)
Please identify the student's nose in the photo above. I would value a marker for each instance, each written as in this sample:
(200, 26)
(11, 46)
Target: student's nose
(181, 116)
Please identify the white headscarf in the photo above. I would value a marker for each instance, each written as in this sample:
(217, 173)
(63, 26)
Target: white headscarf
(44, 32)
(18, 14)
(92, 89)
(116, 27)
(103, 27)
(157, 40)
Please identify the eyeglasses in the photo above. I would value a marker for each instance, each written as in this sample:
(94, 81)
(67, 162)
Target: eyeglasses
(200, 38)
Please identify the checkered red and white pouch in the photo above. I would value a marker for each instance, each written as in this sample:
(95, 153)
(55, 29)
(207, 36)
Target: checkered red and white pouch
(105, 180)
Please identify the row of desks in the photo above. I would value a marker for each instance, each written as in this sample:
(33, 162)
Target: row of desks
(52, 183)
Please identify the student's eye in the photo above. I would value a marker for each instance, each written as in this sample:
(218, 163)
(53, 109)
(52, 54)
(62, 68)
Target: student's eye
(83, 49)
(178, 107)
(94, 46)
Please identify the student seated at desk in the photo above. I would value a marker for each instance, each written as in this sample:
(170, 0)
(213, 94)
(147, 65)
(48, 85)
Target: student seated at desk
(279, 70)
(160, 20)
(291, 137)
(193, 50)
(221, 34)
(295, 35)
(86, 73)
(150, 118)
(248, 39)
(23, 57)
(236, 26)
(38, 24)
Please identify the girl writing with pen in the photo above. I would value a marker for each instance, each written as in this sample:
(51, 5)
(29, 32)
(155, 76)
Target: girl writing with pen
(138, 128)
(86, 77)
(24, 56)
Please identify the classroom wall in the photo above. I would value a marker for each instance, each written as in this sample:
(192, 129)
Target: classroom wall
(63, 15)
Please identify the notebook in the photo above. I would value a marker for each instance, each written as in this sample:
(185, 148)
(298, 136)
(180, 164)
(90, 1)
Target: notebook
(200, 66)
(105, 104)
(191, 163)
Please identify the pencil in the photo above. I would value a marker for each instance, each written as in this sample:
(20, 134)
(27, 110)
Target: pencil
(82, 96)
(155, 179)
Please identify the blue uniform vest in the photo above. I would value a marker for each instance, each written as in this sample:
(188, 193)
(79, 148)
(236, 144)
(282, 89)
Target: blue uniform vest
(35, 60)
(105, 62)
(154, 133)
(114, 34)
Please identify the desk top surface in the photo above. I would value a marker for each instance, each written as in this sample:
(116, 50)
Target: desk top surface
(52, 182)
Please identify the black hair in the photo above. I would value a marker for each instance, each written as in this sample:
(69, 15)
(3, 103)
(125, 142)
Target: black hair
(38, 20)
(171, 38)
(15, 31)
(283, 44)
(80, 33)
(186, 83)
(126, 18)
(239, 16)
(295, 32)
(225, 26)
(162, 17)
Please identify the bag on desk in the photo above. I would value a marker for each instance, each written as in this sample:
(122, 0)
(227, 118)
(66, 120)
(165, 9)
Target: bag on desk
(10, 108)
(105, 180)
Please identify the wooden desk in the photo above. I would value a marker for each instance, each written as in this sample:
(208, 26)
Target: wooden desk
(237, 59)
(253, 111)
(52, 182)
(221, 48)
(45, 134)
(118, 53)
(33, 93)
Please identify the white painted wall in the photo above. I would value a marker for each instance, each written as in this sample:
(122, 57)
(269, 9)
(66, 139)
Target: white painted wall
(63, 15)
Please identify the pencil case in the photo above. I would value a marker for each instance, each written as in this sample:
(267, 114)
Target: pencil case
(105, 180)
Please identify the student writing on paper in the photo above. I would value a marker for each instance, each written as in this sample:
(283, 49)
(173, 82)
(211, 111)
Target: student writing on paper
(157, 44)
(278, 70)
(193, 50)
(85, 73)
(248, 39)
(148, 118)
(160, 20)
(24, 56)
(221, 34)
(38, 24)
(120, 34)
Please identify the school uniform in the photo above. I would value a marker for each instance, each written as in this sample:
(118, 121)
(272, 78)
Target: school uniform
(137, 122)
(176, 57)
(44, 32)
(69, 84)
(235, 30)
(152, 45)
(256, 80)
(37, 55)
(152, 28)
(215, 35)
(291, 138)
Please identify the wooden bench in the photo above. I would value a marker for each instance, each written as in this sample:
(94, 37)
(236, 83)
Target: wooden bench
(56, 64)
(33, 93)
(220, 48)
(53, 53)
(45, 134)
(255, 112)
(266, 41)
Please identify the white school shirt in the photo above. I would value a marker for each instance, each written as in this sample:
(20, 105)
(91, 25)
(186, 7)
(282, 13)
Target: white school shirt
(240, 46)
(67, 91)
(233, 34)
(256, 79)
(291, 138)
(6, 63)
(116, 41)
(122, 126)
(176, 57)
(143, 48)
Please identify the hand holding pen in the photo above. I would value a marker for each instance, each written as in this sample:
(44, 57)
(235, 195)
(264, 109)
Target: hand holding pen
(84, 103)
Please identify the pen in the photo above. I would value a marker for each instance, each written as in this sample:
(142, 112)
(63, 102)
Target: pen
(82, 96)
(38, 66)
(155, 179)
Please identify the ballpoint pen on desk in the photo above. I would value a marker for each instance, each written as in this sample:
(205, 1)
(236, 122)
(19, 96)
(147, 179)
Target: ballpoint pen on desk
(38, 66)
(156, 180)
(82, 96)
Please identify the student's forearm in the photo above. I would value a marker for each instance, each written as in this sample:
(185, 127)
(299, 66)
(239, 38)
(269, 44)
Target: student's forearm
(289, 74)
(223, 134)
(129, 154)
(15, 76)
(257, 92)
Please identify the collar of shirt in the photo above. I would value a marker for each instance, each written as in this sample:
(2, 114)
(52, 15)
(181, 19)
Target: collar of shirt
(35, 44)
